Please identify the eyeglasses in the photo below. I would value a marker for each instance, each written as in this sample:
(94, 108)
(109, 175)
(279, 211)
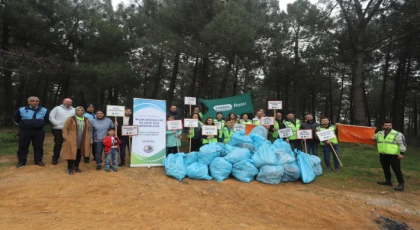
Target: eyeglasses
(34, 100)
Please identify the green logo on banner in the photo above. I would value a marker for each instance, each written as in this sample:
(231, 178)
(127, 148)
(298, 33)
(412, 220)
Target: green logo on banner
(237, 104)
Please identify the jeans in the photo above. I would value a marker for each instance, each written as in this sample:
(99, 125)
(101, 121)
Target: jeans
(388, 160)
(26, 136)
(124, 144)
(327, 152)
(113, 153)
(99, 148)
(312, 148)
(58, 142)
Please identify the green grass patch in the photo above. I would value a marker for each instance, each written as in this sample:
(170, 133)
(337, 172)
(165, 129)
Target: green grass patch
(362, 168)
(8, 142)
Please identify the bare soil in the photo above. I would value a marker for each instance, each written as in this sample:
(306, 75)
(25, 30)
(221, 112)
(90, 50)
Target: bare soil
(34, 197)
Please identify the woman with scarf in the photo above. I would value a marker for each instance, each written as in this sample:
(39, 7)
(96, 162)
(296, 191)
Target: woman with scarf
(76, 134)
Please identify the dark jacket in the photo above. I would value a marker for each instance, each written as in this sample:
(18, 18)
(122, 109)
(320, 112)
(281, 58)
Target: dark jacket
(177, 115)
(311, 125)
(281, 125)
(31, 118)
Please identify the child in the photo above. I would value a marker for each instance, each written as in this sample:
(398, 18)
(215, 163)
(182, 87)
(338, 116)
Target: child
(111, 146)
(173, 139)
(226, 132)
(209, 138)
(194, 134)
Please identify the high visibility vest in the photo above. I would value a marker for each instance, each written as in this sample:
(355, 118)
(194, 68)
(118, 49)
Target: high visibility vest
(226, 134)
(257, 122)
(388, 145)
(248, 122)
(223, 122)
(333, 128)
(200, 115)
(191, 135)
(206, 141)
(295, 128)
(276, 128)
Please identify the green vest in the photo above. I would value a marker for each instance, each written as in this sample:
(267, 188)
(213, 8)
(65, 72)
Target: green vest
(289, 124)
(223, 122)
(276, 128)
(248, 122)
(206, 141)
(226, 134)
(333, 128)
(200, 115)
(192, 130)
(389, 144)
(257, 122)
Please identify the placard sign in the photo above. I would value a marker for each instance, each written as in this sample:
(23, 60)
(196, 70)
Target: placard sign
(218, 124)
(325, 135)
(174, 125)
(286, 132)
(115, 111)
(275, 105)
(209, 130)
(304, 134)
(191, 123)
(190, 101)
(129, 130)
(267, 121)
(239, 127)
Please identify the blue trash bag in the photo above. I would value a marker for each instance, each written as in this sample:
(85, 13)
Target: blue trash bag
(270, 174)
(229, 148)
(291, 172)
(306, 171)
(239, 138)
(281, 144)
(264, 156)
(208, 153)
(284, 156)
(238, 155)
(198, 171)
(260, 131)
(174, 166)
(220, 169)
(190, 158)
(316, 164)
(257, 140)
(244, 171)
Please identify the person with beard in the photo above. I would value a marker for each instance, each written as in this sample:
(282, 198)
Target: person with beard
(173, 111)
(126, 120)
(98, 131)
(391, 147)
(311, 144)
(294, 124)
(76, 134)
(329, 144)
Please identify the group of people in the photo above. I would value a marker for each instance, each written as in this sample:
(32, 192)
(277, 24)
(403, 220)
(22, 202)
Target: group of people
(80, 131)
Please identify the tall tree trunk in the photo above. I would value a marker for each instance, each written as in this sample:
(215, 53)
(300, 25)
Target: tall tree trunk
(235, 80)
(194, 77)
(340, 101)
(226, 76)
(382, 113)
(296, 78)
(146, 82)
(56, 95)
(21, 91)
(415, 115)
(7, 73)
(358, 92)
(44, 96)
(330, 95)
(204, 77)
(172, 83)
(102, 98)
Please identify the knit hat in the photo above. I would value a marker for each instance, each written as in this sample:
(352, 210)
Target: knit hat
(89, 105)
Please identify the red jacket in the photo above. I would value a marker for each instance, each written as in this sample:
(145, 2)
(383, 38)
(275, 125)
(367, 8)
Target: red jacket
(108, 143)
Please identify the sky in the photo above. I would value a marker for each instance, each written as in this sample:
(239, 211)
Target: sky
(283, 3)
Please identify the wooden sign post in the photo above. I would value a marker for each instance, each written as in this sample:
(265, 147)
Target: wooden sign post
(129, 130)
(305, 134)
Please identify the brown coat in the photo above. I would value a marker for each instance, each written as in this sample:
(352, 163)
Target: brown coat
(69, 149)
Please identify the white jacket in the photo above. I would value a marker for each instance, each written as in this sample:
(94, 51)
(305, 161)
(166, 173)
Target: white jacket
(59, 115)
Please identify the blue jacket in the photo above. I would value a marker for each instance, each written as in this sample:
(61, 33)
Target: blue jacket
(171, 139)
(90, 116)
(31, 118)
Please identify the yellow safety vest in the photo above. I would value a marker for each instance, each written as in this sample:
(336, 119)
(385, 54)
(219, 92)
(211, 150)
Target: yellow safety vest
(226, 134)
(248, 122)
(192, 130)
(294, 128)
(206, 141)
(276, 128)
(388, 145)
(333, 128)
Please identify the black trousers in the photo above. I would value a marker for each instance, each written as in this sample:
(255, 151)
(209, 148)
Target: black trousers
(171, 150)
(388, 160)
(295, 144)
(71, 164)
(92, 152)
(58, 143)
(26, 136)
(195, 145)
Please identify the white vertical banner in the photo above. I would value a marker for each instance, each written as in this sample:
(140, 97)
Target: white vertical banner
(149, 146)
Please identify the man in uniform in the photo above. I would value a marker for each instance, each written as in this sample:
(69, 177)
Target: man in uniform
(294, 124)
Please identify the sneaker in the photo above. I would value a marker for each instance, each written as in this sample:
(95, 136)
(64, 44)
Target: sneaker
(115, 169)
(20, 164)
(86, 160)
(70, 172)
(98, 167)
(337, 170)
(107, 170)
(121, 165)
(40, 163)
(400, 187)
(77, 170)
(54, 162)
(385, 182)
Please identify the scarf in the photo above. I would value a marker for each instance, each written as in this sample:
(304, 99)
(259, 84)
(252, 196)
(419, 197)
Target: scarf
(80, 119)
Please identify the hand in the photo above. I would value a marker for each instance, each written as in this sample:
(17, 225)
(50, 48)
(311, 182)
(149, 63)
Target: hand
(328, 142)
(115, 123)
(400, 157)
(190, 131)
(209, 137)
(287, 140)
(174, 131)
(337, 123)
(91, 143)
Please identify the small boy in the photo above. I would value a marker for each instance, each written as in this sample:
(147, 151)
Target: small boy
(226, 133)
(111, 146)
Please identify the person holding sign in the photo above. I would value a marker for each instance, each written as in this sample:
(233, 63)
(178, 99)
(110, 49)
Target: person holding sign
(294, 124)
(173, 138)
(209, 138)
(278, 124)
(111, 144)
(194, 134)
(245, 120)
(98, 131)
(219, 118)
(76, 134)
(329, 144)
(198, 112)
(391, 147)
(311, 144)
(226, 132)
(126, 120)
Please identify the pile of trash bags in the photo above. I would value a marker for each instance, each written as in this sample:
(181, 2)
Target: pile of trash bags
(245, 158)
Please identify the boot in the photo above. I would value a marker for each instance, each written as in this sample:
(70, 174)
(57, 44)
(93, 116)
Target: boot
(385, 182)
(400, 187)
